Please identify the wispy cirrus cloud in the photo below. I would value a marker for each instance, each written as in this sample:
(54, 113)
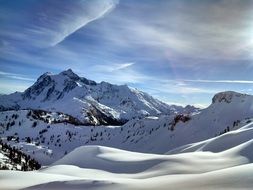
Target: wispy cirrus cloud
(52, 21)
(10, 87)
(11, 82)
(76, 17)
(113, 67)
(123, 66)
(222, 81)
(15, 76)
(176, 28)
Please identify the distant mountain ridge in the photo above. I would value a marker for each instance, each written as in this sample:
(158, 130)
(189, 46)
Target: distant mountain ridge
(88, 101)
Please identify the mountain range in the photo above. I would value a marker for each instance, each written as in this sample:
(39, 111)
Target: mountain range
(77, 129)
(88, 101)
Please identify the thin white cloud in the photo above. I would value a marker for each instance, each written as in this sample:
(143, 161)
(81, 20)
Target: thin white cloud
(112, 67)
(122, 66)
(206, 29)
(156, 85)
(15, 76)
(53, 23)
(222, 81)
(122, 77)
(8, 87)
(89, 11)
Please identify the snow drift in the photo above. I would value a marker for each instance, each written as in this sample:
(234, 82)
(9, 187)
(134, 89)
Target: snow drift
(100, 167)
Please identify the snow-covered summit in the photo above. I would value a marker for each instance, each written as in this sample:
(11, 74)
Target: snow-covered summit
(230, 104)
(70, 74)
(87, 100)
(55, 86)
(229, 96)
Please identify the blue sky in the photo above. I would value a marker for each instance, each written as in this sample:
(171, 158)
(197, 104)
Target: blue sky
(180, 51)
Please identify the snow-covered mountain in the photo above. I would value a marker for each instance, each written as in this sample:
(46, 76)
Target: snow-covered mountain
(175, 150)
(47, 136)
(87, 101)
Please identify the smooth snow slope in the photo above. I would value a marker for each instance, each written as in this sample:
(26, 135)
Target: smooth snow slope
(98, 167)
(221, 143)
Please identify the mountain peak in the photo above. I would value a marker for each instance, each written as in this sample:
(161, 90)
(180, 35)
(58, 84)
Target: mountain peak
(70, 74)
(44, 75)
(68, 71)
(226, 96)
(88, 101)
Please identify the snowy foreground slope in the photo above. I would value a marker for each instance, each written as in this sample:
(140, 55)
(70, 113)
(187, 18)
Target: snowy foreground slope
(223, 162)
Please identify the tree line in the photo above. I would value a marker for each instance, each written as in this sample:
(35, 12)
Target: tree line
(17, 157)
